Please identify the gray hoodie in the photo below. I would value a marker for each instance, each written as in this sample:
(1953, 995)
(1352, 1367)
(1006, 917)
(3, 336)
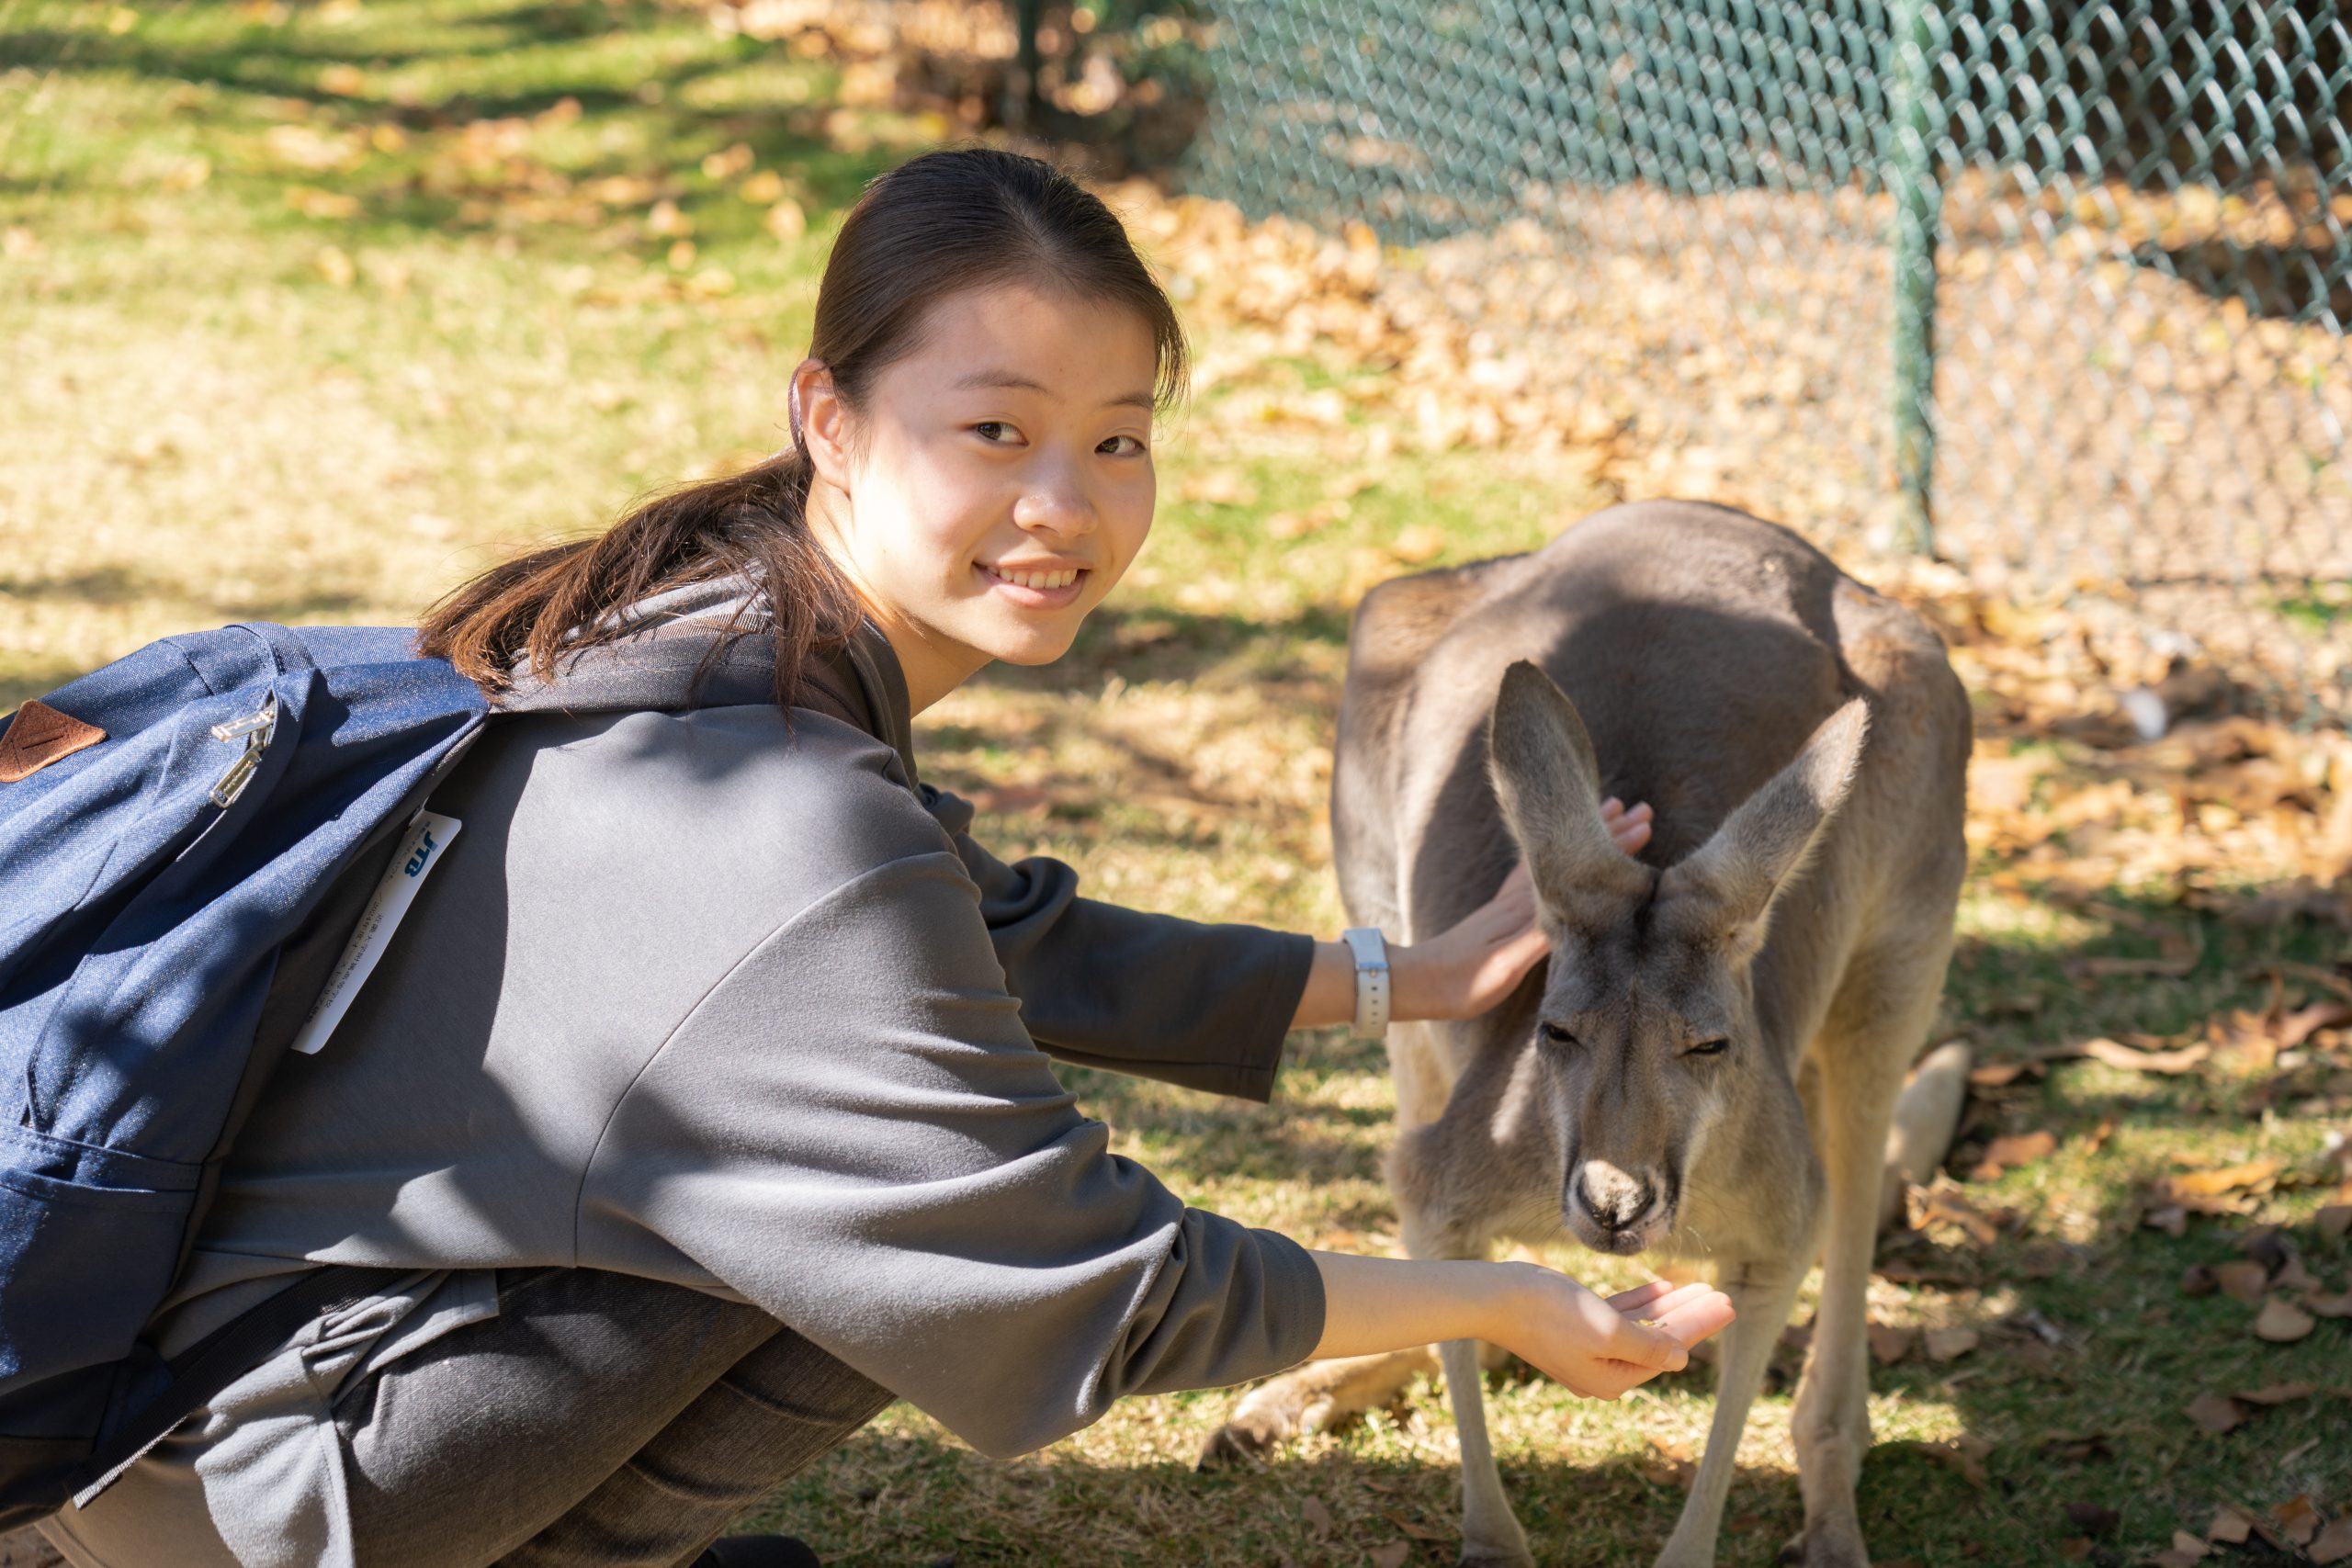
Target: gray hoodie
(713, 999)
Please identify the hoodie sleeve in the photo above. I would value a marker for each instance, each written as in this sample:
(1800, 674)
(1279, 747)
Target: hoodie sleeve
(854, 1131)
(1203, 1007)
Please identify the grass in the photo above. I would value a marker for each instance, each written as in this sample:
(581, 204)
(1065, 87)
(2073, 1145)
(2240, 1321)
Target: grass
(310, 311)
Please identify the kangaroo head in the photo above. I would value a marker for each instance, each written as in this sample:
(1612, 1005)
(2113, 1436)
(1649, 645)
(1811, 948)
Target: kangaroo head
(1646, 1041)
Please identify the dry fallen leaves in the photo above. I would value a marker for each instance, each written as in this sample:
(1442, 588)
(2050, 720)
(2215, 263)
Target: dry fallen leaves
(1940, 1207)
(2241, 1278)
(1673, 1464)
(2115, 1054)
(2283, 1322)
(2334, 1543)
(2278, 1393)
(1952, 1343)
(2231, 1526)
(2011, 1150)
(1419, 545)
(1219, 487)
(2297, 1027)
(2219, 1413)
(1416, 1531)
(334, 265)
(312, 202)
(786, 224)
(2230, 1189)
(1890, 1344)
(2216, 1412)
(2000, 1074)
(2185, 1550)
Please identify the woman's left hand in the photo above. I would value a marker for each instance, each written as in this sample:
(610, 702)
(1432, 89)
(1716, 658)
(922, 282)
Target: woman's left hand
(1464, 971)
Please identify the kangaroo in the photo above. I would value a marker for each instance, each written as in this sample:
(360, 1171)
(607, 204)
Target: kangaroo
(1706, 1066)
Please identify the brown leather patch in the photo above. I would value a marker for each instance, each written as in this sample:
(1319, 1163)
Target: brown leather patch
(39, 735)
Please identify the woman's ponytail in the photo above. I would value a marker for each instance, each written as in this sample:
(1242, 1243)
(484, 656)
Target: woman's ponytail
(524, 615)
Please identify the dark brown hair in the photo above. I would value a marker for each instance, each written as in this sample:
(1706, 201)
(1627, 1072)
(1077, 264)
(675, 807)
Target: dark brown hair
(944, 222)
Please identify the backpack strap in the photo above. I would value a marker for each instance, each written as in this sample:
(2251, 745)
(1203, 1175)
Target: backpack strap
(198, 1373)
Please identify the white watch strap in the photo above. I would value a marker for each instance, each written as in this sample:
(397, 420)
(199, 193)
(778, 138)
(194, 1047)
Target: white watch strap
(1371, 980)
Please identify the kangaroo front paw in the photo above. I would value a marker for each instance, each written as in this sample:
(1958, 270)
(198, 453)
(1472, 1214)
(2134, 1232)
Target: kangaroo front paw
(1317, 1397)
(1267, 1416)
(1246, 1437)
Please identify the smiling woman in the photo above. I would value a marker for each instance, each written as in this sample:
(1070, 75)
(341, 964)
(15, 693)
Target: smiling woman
(700, 1102)
(1000, 482)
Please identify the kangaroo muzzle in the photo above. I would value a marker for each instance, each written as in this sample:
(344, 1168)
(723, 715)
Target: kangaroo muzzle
(1612, 1209)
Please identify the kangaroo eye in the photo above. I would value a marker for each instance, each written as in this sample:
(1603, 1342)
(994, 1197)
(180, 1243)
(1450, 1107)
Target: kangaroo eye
(1556, 1035)
(1709, 1048)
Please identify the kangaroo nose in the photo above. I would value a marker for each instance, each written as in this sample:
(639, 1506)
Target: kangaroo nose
(1613, 1198)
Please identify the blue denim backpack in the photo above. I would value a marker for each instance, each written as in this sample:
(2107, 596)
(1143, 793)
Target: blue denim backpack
(166, 824)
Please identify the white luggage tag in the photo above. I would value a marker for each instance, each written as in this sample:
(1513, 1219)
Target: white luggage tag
(427, 838)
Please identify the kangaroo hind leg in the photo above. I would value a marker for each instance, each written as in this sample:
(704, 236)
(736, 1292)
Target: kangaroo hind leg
(1881, 1017)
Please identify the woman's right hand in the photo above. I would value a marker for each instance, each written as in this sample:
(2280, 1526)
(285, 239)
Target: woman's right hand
(1598, 1347)
(1601, 1347)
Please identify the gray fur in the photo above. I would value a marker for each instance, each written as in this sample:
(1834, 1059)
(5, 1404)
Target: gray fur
(1805, 744)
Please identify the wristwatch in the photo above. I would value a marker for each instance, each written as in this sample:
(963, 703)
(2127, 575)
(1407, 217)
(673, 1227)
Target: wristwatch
(1371, 980)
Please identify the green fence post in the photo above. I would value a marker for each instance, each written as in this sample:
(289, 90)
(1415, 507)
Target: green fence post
(1917, 123)
(1022, 95)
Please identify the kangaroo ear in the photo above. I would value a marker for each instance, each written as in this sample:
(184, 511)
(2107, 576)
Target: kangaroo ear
(1735, 875)
(1548, 783)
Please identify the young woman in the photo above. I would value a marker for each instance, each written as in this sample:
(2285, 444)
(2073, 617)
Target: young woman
(701, 1104)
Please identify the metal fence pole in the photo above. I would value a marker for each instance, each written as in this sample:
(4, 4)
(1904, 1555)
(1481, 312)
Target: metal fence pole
(1918, 124)
(1022, 95)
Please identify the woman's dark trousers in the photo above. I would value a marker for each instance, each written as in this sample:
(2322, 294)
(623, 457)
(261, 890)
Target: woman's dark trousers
(599, 1421)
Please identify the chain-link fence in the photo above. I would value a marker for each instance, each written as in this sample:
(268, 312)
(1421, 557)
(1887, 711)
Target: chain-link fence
(2056, 288)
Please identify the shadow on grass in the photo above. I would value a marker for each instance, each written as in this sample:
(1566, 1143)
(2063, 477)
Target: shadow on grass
(891, 1497)
(117, 584)
(1140, 645)
(100, 585)
(638, 60)
(245, 55)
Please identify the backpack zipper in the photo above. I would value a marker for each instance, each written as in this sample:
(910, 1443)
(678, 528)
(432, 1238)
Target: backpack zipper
(255, 729)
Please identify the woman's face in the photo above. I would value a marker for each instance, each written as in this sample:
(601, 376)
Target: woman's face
(996, 481)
